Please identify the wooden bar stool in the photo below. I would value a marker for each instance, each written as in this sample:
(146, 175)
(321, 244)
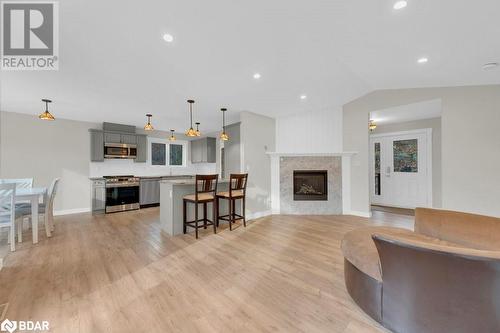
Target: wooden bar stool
(205, 190)
(237, 191)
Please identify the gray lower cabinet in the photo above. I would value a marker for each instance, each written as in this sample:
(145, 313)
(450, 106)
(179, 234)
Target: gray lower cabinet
(96, 146)
(203, 150)
(98, 196)
(150, 191)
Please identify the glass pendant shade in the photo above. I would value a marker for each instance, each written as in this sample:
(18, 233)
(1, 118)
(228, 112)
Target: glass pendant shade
(191, 132)
(148, 126)
(172, 136)
(198, 133)
(46, 115)
(223, 135)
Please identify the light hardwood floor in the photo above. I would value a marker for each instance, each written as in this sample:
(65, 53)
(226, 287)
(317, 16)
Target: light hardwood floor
(119, 273)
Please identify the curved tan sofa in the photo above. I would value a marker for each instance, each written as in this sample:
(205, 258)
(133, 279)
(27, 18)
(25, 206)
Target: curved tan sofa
(442, 277)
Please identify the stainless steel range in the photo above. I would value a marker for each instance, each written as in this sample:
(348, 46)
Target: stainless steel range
(122, 193)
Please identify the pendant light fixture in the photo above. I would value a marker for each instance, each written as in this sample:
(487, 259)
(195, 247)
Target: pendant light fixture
(223, 135)
(372, 126)
(46, 115)
(198, 133)
(172, 136)
(191, 132)
(148, 126)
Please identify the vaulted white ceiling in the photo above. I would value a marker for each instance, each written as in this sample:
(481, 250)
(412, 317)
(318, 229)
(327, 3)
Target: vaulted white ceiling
(115, 66)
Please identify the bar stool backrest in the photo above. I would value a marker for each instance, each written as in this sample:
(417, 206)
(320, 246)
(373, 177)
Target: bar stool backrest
(238, 184)
(206, 184)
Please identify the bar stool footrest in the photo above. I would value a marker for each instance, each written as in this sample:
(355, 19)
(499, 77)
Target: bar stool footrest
(236, 217)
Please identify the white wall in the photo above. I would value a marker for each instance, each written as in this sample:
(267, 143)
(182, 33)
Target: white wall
(257, 137)
(314, 132)
(47, 150)
(470, 144)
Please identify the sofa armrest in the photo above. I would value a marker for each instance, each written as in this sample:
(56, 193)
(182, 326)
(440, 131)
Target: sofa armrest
(436, 288)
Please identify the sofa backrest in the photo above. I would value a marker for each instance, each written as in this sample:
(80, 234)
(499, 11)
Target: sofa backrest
(471, 230)
(430, 287)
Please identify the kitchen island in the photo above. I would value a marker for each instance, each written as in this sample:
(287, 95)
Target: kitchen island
(172, 192)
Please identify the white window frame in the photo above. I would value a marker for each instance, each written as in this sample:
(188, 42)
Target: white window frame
(167, 143)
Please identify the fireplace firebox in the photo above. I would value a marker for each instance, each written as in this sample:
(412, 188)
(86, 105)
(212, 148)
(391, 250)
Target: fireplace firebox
(310, 185)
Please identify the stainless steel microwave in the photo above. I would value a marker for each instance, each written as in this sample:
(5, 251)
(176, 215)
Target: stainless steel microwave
(117, 150)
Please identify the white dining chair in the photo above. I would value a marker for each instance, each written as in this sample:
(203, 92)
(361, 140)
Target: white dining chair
(7, 211)
(20, 182)
(46, 209)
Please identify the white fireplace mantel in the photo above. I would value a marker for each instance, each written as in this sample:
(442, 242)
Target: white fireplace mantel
(346, 177)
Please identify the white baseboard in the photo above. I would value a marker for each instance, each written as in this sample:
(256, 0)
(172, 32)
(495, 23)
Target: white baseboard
(71, 211)
(258, 215)
(360, 214)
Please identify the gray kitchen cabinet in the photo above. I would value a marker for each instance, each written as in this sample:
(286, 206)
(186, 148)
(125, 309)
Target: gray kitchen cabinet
(110, 137)
(96, 146)
(129, 139)
(203, 150)
(150, 191)
(98, 196)
(142, 149)
(196, 151)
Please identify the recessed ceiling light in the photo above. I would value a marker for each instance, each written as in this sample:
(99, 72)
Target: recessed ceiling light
(303, 97)
(422, 60)
(400, 5)
(256, 76)
(490, 66)
(168, 38)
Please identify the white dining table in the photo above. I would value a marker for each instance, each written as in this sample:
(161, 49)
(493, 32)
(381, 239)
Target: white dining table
(32, 195)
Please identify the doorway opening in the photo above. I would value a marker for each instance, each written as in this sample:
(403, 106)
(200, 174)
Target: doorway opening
(405, 157)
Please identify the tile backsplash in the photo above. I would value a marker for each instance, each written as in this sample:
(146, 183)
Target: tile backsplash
(129, 167)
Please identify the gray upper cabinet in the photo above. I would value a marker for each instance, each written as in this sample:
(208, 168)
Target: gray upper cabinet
(110, 137)
(142, 149)
(129, 138)
(96, 146)
(203, 150)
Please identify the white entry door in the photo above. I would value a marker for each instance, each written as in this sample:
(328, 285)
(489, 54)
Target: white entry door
(400, 173)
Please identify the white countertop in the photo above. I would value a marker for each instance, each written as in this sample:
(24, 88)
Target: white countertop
(187, 181)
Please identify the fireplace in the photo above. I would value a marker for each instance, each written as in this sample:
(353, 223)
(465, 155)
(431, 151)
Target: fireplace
(310, 185)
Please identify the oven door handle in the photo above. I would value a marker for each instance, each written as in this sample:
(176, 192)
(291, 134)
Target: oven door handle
(122, 185)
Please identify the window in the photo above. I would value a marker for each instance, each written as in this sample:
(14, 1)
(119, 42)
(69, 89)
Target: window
(158, 153)
(176, 158)
(377, 168)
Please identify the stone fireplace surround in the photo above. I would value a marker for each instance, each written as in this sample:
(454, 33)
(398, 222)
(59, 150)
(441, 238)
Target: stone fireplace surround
(338, 166)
